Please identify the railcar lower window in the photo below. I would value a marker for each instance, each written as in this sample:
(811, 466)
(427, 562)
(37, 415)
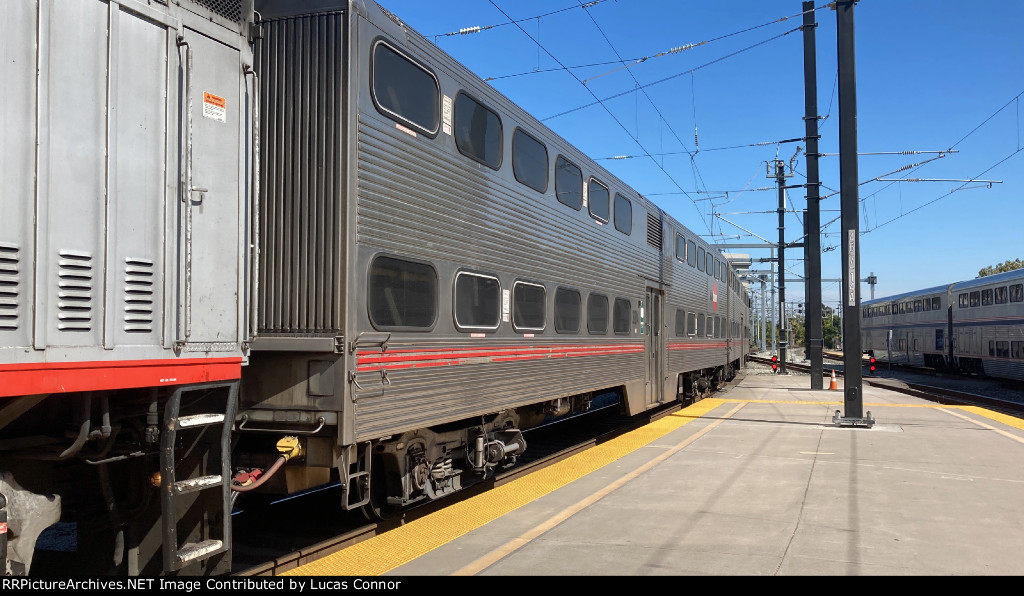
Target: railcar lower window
(567, 310)
(568, 183)
(597, 314)
(477, 131)
(598, 200)
(1017, 349)
(623, 214)
(528, 306)
(477, 301)
(620, 316)
(402, 294)
(700, 324)
(405, 91)
(680, 323)
(529, 161)
(691, 324)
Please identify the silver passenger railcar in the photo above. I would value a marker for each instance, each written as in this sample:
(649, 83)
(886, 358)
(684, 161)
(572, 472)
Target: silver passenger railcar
(974, 326)
(439, 271)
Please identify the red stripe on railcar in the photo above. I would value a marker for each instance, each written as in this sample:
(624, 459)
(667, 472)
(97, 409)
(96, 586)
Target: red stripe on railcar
(393, 360)
(64, 377)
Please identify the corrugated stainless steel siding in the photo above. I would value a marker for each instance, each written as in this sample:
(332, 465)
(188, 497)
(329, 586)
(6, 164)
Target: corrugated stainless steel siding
(302, 185)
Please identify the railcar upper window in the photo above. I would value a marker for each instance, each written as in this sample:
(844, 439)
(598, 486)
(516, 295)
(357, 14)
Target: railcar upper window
(917, 306)
(1017, 293)
(405, 91)
(700, 258)
(597, 314)
(598, 200)
(623, 214)
(567, 310)
(962, 300)
(528, 306)
(691, 253)
(620, 316)
(1001, 295)
(986, 297)
(477, 301)
(568, 183)
(477, 131)
(936, 303)
(530, 161)
(680, 249)
(975, 298)
(708, 263)
(402, 294)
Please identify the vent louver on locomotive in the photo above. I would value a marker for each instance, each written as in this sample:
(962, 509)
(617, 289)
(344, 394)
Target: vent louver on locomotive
(229, 9)
(138, 295)
(654, 231)
(74, 291)
(9, 265)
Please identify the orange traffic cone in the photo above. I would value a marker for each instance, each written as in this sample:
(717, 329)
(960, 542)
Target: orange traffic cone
(833, 386)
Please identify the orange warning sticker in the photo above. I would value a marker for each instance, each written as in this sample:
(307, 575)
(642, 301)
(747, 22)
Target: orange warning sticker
(214, 107)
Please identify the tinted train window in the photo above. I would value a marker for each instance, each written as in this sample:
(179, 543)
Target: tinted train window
(986, 297)
(691, 253)
(963, 300)
(598, 200)
(530, 161)
(1001, 295)
(700, 324)
(597, 314)
(936, 303)
(567, 310)
(528, 306)
(404, 90)
(708, 264)
(691, 324)
(680, 323)
(680, 249)
(700, 258)
(1017, 293)
(402, 294)
(620, 316)
(568, 183)
(623, 214)
(975, 298)
(477, 301)
(917, 306)
(477, 131)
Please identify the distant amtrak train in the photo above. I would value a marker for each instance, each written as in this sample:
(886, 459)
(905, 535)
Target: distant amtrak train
(974, 326)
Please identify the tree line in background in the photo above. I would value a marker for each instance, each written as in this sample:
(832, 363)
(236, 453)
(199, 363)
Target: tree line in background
(1001, 268)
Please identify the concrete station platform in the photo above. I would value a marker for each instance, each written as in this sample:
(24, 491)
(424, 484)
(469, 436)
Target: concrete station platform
(757, 481)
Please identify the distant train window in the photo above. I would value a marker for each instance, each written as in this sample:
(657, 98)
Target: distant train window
(917, 306)
(530, 161)
(700, 324)
(691, 253)
(597, 314)
(926, 304)
(936, 303)
(568, 183)
(623, 214)
(477, 131)
(986, 297)
(680, 323)
(405, 91)
(527, 306)
(718, 269)
(567, 310)
(1017, 349)
(700, 258)
(963, 300)
(477, 301)
(940, 340)
(1001, 295)
(1002, 349)
(1017, 293)
(620, 316)
(691, 324)
(680, 249)
(598, 200)
(402, 294)
(975, 298)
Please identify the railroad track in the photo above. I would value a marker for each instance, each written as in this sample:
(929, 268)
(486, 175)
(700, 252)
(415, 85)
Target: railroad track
(929, 392)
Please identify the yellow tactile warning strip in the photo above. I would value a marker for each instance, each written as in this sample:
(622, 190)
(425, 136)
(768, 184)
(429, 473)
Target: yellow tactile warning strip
(396, 547)
(382, 553)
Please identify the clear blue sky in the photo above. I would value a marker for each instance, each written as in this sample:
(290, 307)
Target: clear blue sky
(932, 75)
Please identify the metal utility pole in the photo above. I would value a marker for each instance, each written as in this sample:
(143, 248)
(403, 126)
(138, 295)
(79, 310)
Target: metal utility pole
(814, 342)
(780, 178)
(771, 303)
(849, 208)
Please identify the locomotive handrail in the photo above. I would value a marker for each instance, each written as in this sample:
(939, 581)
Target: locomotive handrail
(369, 339)
(321, 421)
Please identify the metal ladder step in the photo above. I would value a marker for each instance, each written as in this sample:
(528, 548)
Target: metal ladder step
(195, 550)
(191, 485)
(198, 420)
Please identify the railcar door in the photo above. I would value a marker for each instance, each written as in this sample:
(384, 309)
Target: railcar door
(655, 346)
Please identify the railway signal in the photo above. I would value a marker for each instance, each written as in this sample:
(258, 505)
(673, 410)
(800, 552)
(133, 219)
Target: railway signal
(775, 363)
(871, 365)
